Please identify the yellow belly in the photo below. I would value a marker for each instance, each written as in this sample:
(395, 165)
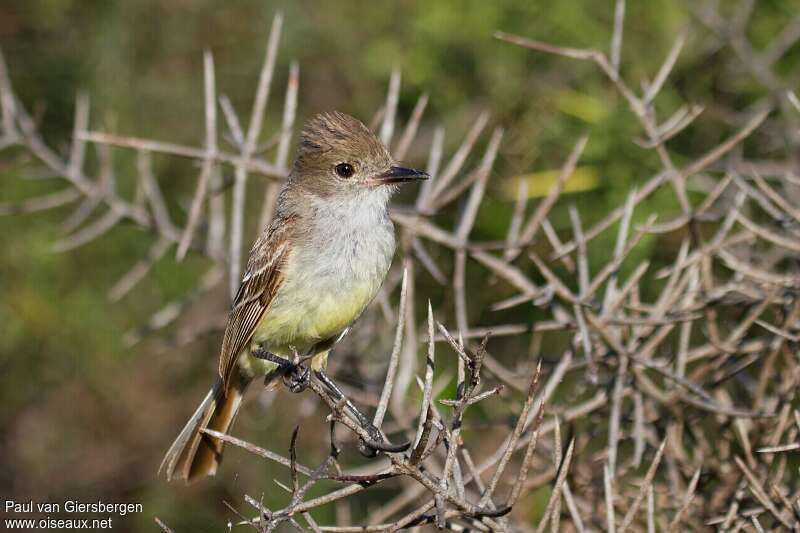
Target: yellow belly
(304, 320)
(310, 318)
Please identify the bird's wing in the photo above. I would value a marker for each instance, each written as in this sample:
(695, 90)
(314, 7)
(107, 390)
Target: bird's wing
(260, 283)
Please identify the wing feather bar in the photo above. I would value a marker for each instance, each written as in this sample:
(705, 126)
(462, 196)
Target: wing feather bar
(261, 281)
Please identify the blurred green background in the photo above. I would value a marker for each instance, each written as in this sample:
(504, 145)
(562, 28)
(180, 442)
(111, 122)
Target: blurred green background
(83, 416)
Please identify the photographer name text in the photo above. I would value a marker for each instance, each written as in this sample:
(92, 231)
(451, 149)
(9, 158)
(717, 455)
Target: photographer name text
(110, 511)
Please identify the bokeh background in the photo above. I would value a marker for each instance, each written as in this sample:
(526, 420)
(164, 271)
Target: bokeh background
(86, 416)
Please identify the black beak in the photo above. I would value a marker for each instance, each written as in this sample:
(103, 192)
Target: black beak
(399, 175)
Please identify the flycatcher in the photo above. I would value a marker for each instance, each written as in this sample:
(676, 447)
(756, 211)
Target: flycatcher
(309, 276)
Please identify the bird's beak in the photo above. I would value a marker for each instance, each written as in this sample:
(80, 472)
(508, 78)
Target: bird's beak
(399, 175)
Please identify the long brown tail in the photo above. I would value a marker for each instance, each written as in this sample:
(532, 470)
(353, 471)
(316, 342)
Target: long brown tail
(195, 455)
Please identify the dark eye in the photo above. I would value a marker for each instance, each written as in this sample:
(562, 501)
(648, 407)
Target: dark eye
(344, 170)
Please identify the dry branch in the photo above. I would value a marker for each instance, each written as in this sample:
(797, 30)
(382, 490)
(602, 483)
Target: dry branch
(704, 346)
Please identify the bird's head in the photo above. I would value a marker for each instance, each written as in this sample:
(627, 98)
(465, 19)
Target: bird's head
(338, 154)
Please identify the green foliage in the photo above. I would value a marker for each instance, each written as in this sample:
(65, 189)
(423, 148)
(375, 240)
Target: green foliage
(141, 62)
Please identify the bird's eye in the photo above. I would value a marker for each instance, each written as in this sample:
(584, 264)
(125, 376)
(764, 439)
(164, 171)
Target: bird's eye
(344, 170)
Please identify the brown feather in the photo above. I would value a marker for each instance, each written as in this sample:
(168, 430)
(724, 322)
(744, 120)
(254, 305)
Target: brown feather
(261, 281)
(327, 141)
(193, 454)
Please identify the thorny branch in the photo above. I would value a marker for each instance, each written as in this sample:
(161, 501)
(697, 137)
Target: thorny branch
(694, 364)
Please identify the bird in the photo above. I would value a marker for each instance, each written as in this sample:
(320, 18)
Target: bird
(310, 274)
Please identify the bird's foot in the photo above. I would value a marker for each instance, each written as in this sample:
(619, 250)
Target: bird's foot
(377, 443)
(297, 378)
(370, 448)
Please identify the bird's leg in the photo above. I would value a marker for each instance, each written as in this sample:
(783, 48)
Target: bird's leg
(337, 394)
(296, 375)
(260, 353)
(377, 441)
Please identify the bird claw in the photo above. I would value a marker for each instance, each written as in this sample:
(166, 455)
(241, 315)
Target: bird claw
(297, 378)
(369, 448)
(376, 443)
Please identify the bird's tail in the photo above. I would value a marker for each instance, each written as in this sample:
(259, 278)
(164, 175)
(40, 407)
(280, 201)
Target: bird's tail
(194, 454)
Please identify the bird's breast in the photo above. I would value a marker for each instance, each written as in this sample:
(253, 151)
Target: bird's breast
(328, 281)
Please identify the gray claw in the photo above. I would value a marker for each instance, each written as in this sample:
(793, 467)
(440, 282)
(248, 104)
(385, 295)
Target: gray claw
(369, 448)
(366, 449)
(297, 378)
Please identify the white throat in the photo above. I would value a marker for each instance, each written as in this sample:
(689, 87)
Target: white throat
(354, 232)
